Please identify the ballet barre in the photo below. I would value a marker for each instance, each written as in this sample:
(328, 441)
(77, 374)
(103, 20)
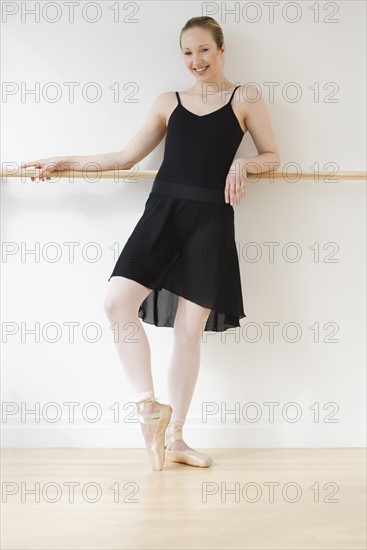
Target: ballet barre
(150, 174)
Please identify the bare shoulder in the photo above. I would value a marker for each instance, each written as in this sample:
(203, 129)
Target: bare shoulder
(250, 105)
(247, 95)
(164, 105)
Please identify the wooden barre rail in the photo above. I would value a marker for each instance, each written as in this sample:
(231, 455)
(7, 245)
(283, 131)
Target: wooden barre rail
(150, 174)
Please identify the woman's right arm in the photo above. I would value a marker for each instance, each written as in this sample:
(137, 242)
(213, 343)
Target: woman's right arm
(140, 145)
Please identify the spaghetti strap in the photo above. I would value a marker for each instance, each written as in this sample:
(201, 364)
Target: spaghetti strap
(233, 93)
(178, 98)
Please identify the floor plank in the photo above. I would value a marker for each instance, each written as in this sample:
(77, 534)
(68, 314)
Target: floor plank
(319, 500)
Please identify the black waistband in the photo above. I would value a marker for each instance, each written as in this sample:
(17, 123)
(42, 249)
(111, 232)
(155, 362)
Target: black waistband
(188, 191)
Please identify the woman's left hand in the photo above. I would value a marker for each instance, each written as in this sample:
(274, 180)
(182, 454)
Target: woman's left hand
(235, 181)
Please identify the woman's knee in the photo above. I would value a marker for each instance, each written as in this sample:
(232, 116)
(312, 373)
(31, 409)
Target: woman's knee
(113, 304)
(190, 322)
(188, 337)
(124, 295)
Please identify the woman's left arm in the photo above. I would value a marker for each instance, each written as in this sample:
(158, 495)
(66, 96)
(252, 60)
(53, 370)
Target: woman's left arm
(257, 122)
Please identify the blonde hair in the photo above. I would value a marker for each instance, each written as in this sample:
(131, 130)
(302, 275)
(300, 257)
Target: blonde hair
(207, 23)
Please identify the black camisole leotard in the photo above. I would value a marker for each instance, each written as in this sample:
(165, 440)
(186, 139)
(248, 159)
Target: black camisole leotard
(184, 242)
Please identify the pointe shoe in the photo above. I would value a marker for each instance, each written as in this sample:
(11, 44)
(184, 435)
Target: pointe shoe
(161, 418)
(190, 457)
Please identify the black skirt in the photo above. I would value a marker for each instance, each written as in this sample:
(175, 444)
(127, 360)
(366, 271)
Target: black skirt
(184, 245)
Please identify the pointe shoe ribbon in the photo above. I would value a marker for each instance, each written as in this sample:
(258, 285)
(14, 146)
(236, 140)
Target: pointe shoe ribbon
(189, 456)
(161, 418)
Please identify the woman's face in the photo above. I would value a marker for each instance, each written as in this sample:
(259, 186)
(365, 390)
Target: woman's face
(200, 52)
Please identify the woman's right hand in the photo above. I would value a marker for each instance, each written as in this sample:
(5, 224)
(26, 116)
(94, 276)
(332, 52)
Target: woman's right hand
(46, 166)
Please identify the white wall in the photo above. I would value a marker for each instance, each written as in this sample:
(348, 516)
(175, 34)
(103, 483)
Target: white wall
(322, 294)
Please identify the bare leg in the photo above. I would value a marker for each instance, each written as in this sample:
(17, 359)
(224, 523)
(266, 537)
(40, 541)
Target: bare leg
(122, 305)
(185, 361)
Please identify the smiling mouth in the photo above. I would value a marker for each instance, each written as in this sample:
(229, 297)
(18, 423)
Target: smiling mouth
(201, 70)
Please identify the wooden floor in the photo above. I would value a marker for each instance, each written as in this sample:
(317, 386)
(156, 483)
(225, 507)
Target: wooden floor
(119, 502)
